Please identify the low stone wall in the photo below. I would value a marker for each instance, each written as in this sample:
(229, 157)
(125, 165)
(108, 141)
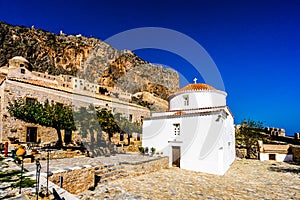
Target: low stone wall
(139, 168)
(296, 153)
(57, 154)
(75, 180)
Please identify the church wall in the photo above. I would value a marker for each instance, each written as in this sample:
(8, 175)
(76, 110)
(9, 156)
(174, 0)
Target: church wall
(202, 140)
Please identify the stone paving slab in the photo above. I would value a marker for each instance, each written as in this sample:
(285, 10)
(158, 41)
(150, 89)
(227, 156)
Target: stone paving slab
(246, 179)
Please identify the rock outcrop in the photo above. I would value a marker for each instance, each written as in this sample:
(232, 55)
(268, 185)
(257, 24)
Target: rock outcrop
(88, 58)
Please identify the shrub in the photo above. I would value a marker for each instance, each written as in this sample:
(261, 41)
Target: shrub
(142, 150)
(153, 150)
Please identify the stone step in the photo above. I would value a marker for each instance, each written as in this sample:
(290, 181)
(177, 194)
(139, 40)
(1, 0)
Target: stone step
(102, 171)
(113, 178)
(112, 173)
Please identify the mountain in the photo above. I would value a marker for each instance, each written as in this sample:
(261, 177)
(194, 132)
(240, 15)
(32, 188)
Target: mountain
(87, 58)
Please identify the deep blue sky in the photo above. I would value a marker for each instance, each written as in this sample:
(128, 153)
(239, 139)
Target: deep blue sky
(254, 43)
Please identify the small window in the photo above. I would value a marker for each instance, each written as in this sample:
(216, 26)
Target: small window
(186, 100)
(21, 65)
(176, 129)
(272, 156)
(22, 71)
(130, 117)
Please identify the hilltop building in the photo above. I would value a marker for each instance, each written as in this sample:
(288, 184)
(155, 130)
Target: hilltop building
(17, 80)
(197, 132)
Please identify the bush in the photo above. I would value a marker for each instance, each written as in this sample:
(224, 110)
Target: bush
(153, 150)
(142, 150)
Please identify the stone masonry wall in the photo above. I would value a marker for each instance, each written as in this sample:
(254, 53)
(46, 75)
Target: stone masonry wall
(296, 153)
(75, 180)
(139, 168)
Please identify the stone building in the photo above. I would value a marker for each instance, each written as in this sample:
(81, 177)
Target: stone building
(197, 133)
(18, 81)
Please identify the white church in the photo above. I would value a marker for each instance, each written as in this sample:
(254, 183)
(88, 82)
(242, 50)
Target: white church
(197, 132)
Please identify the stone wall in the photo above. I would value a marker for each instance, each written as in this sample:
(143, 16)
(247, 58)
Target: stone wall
(57, 154)
(139, 168)
(296, 153)
(75, 180)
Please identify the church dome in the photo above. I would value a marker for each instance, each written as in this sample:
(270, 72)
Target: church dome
(196, 86)
(195, 96)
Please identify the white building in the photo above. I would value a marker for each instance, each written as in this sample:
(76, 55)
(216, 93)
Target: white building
(276, 152)
(197, 132)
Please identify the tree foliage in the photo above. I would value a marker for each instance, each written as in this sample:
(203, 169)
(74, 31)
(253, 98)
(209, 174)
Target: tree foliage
(127, 127)
(55, 115)
(247, 135)
(107, 122)
(87, 120)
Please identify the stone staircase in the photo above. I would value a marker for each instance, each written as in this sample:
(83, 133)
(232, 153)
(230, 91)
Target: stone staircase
(108, 173)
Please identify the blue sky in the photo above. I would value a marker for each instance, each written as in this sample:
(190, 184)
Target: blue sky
(255, 44)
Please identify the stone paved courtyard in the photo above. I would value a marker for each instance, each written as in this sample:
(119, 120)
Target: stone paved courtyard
(246, 179)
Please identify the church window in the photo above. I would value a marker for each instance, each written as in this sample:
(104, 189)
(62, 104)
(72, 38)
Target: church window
(22, 71)
(186, 100)
(176, 129)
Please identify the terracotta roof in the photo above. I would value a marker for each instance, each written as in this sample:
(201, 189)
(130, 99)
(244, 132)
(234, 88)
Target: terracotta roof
(274, 148)
(179, 113)
(197, 86)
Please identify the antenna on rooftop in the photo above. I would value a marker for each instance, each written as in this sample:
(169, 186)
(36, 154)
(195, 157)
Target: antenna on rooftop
(195, 80)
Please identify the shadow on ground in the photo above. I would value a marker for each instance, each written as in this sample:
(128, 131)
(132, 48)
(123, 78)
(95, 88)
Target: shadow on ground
(294, 168)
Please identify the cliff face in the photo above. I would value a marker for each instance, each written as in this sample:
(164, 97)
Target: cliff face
(88, 58)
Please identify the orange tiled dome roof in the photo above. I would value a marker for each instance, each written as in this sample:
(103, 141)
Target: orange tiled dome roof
(196, 86)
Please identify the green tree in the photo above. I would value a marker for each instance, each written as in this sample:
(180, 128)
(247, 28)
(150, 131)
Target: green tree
(247, 135)
(55, 115)
(87, 120)
(107, 122)
(127, 126)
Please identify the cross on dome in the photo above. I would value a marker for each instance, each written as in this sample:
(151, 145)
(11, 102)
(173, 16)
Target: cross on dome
(195, 80)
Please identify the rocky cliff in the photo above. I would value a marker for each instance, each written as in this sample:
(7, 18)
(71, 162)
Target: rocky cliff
(88, 58)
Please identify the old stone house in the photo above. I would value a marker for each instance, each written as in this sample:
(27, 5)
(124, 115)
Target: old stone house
(18, 81)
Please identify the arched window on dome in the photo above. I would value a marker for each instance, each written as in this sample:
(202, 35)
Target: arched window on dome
(186, 100)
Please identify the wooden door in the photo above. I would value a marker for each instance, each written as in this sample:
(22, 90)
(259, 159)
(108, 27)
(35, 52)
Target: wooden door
(176, 156)
(31, 135)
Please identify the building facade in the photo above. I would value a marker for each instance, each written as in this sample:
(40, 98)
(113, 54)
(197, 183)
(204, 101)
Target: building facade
(197, 132)
(18, 81)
